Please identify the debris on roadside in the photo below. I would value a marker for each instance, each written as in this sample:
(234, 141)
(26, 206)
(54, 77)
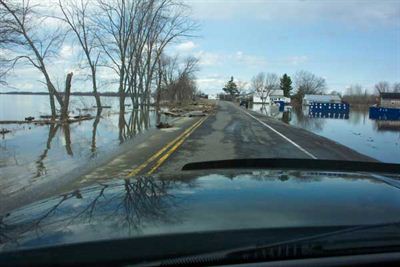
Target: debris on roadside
(163, 125)
(196, 113)
(172, 114)
(193, 109)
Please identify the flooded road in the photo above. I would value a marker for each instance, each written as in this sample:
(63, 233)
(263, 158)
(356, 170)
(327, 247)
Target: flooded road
(32, 154)
(375, 138)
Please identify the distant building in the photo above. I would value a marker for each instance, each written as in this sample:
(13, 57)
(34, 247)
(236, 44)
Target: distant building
(213, 96)
(390, 100)
(311, 99)
(274, 95)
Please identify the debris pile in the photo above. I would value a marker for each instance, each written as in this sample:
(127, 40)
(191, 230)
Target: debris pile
(163, 125)
(194, 109)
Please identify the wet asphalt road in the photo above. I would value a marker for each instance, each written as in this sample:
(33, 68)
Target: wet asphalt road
(234, 133)
(231, 132)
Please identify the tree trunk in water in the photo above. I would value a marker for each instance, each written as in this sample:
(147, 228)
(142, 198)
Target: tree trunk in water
(96, 94)
(52, 106)
(64, 108)
(122, 103)
(94, 131)
(67, 136)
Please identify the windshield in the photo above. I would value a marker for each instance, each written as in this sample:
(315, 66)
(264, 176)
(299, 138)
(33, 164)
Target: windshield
(155, 107)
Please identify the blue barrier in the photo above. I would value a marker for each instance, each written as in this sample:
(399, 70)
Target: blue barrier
(330, 107)
(380, 113)
(331, 115)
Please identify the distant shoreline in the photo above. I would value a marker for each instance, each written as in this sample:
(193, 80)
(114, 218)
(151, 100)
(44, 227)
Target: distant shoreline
(73, 93)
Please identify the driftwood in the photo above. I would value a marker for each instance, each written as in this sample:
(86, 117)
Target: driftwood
(196, 114)
(4, 131)
(172, 114)
(30, 118)
(42, 122)
(82, 116)
(162, 125)
(48, 116)
(102, 106)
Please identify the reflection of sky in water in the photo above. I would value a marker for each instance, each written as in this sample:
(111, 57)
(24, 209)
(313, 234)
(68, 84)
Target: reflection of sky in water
(25, 157)
(215, 202)
(360, 133)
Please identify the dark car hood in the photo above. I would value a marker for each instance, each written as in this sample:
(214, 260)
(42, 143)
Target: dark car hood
(145, 206)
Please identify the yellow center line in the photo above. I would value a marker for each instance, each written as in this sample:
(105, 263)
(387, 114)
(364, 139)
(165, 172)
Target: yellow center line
(173, 148)
(158, 153)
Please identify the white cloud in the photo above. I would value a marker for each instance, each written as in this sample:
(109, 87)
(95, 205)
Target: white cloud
(238, 58)
(66, 51)
(297, 60)
(208, 58)
(250, 60)
(186, 47)
(210, 85)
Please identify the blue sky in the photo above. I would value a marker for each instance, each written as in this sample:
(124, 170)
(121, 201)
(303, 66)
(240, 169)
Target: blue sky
(344, 41)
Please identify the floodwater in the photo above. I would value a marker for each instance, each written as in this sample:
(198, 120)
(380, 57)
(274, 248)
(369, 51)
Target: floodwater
(379, 139)
(32, 154)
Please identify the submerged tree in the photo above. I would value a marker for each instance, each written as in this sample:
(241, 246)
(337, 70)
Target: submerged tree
(308, 83)
(79, 19)
(263, 84)
(133, 35)
(31, 44)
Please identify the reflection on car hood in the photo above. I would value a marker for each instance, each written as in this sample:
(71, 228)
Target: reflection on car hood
(253, 199)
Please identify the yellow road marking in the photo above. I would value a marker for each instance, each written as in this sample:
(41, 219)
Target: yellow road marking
(166, 155)
(158, 153)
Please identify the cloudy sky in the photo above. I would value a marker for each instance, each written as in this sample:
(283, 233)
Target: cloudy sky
(344, 41)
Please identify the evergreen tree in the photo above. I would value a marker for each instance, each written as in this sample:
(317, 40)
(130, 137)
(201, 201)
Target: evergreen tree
(231, 88)
(286, 85)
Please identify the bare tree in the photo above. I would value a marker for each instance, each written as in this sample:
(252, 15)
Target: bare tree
(177, 81)
(116, 26)
(134, 36)
(21, 21)
(258, 85)
(241, 86)
(308, 83)
(77, 16)
(271, 82)
(265, 84)
(382, 87)
(354, 89)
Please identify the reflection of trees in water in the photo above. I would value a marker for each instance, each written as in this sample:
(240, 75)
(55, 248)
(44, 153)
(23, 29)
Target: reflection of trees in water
(358, 113)
(93, 149)
(313, 124)
(283, 176)
(40, 167)
(125, 204)
(139, 120)
(307, 176)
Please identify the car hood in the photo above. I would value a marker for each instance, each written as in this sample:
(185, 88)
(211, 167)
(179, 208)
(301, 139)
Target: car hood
(144, 206)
